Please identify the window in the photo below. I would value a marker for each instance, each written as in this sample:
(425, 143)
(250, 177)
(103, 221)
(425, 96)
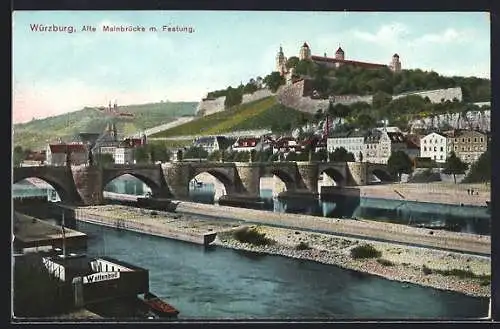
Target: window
(425, 148)
(456, 140)
(456, 148)
(435, 149)
(468, 140)
(441, 149)
(440, 157)
(475, 139)
(463, 140)
(463, 148)
(481, 139)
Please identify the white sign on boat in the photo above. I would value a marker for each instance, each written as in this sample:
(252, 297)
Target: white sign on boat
(102, 276)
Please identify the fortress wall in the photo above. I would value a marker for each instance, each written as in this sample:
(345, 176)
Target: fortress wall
(293, 96)
(217, 105)
(259, 94)
(211, 106)
(437, 95)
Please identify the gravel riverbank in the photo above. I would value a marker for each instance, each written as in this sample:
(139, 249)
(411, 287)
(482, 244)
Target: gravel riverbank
(445, 270)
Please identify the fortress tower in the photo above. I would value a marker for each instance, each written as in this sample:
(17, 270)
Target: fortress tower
(339, 54)
(305, 52)
(281, 62)
(395, 63)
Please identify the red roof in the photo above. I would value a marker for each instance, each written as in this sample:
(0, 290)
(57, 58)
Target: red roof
(247, 142)
(354, 63)
(133, 141)
(63, 148)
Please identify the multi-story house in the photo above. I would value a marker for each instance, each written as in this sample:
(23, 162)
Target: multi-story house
(380, 144)
(212, 143)
(436, 146)
(353, 142)
(469, 145)
(248, 144)
(56, 154)
(124, 154)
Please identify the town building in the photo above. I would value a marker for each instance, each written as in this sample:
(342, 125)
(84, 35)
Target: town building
(249, 144)
(338, 60)
(436, 146)
(352, 141)
(469, 145)
(57, 154)
(34, 159)
(380, 144)
(212, 143)
(124, 155)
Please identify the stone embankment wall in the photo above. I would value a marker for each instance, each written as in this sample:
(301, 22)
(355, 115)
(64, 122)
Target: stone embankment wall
(435, 96)
(207, 107)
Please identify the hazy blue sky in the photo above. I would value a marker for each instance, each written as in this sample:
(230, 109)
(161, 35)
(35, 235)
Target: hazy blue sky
(56, 72)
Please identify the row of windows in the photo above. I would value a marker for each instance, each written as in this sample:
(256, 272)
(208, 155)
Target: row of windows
(441, 149)
(481, 140)
(469, 140)
(470, 148)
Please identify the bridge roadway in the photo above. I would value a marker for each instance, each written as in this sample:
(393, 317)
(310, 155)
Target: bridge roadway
(85, 184)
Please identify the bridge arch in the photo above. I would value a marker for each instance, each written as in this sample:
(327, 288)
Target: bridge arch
(158, 189)
(381, 174)
(286, 178)
(334, 177)
(219, 175)
(65, 193)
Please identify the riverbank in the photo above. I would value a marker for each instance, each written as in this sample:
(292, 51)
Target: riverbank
(402, 263)
(364, 229)
(434, 192)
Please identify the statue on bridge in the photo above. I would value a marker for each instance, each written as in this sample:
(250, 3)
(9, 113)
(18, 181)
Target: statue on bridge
(90, 161)
(68, 157)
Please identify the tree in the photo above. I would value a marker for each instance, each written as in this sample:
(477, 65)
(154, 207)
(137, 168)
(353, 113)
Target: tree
(340, 154)
(480, 171)
(158, 152)
(274, 80)
(366, 121)
(233, 97)
(215, 156)
(292, 62)
(103, 159)
(454, 166)
(195, 152)
(18, 156)
(399, 163)
(141, 154)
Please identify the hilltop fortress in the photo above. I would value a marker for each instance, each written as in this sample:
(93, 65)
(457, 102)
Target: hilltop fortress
(298, 93)
(331, 62)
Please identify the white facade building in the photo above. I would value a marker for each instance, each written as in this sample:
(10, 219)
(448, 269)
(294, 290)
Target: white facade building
(353, 142)
(124, 155)
(436, 146)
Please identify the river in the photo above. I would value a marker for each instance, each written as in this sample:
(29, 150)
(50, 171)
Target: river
(221, 283)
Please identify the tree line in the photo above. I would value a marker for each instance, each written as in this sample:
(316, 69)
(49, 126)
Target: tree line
(349, 80)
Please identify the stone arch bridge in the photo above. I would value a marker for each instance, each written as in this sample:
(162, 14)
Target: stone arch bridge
(85, 184)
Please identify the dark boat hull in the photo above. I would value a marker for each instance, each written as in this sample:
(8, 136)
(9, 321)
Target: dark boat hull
(159, 307)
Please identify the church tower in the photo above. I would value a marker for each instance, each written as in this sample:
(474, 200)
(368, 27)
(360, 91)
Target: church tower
(395, 63)
(339, 54)
(305, 52)
(281, 62)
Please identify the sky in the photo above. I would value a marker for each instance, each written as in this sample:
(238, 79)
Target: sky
(58, 72)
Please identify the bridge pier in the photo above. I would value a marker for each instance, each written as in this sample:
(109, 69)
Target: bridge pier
(309, 174)
(249, 174)
(358, 173)
(177, 177)
(88, 183)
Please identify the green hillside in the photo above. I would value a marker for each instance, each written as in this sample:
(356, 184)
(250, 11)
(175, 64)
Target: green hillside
(260, 114)
(37, 133)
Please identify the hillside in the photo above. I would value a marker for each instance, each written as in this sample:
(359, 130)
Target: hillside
(37, 133)
(260, 114)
